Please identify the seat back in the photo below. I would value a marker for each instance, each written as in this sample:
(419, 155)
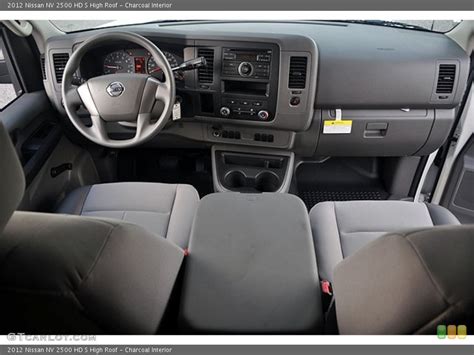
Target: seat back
(12, 178)
(408, 283)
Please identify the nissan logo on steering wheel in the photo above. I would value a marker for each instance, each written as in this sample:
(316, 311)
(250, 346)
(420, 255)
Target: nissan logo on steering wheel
(115, 89)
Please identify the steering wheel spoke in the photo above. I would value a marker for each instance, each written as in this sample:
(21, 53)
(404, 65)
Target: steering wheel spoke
(143, 125)
(87, 100)
(163, 93)
(98, 129)
(73, 97)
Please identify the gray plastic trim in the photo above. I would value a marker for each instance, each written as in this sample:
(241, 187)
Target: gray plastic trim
(285, 186)
(282, 139)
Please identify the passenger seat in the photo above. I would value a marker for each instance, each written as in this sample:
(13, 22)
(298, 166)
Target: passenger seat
(408, 283)
(341, 228)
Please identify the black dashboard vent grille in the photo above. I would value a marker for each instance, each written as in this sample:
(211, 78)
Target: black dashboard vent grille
(446, 78)
(297, 77)
(206, 74)
(43, 66)
(60, 60)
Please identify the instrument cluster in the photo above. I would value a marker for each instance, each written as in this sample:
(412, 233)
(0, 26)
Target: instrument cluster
(138, 61)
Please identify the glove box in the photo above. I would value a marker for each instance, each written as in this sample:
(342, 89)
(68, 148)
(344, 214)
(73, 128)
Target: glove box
(382, 132)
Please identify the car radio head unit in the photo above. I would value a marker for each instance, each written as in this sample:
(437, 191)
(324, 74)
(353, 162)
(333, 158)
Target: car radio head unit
(247, 63)
(244, 83)
(247, 92)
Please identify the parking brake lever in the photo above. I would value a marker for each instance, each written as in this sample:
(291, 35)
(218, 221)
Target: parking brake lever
(191, 64)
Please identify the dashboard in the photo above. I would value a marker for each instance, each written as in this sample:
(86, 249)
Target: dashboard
(239, 82)
(277, 85)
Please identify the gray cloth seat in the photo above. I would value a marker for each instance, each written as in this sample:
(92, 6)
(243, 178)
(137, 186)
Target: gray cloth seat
(408, 283)
(166, 210)
(75, 275)
(71, 275)
(341, 228)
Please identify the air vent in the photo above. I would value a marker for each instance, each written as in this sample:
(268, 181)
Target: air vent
(206, 74)
(43, 66)
(297, 77)
(446, 78)
(60, 60)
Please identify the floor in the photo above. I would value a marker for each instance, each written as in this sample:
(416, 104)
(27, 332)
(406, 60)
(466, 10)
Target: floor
(168, 166)
(339, 180)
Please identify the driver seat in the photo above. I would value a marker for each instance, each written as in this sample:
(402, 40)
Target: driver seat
(166, 210)
(64, 274)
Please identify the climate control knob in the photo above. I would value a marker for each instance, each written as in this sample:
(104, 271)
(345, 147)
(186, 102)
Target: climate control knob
(225, 111)
(245, 69)
(263, 115)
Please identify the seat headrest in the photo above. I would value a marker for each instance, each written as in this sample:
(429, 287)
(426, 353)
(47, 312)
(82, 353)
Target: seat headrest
(408, 283)
(12, 178)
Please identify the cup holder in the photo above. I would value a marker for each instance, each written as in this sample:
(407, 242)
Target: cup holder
(267, 182)
(249, 173)
(235, 180)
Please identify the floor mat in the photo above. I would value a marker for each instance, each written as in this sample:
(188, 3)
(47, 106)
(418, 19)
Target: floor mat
(311, 198)
(339, 180)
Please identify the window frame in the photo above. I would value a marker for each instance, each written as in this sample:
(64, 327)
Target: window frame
(12, 70)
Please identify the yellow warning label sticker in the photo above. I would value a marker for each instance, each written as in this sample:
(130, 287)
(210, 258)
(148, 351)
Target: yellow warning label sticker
(337, 127)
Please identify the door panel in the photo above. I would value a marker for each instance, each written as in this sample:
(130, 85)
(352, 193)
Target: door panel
(51, 163)
(459, 194)
(34, 130)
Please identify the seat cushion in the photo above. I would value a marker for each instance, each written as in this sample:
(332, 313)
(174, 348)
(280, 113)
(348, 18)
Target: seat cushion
(166, 210)
(341, 228)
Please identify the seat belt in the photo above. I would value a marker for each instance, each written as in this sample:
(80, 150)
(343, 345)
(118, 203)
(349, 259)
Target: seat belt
(330, 317)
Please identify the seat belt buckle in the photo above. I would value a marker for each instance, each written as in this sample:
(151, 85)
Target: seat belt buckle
(326, 287)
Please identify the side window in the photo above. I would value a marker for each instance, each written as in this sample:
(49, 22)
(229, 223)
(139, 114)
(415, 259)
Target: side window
(10, 88)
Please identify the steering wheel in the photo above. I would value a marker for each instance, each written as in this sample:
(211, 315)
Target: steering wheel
(128, 98)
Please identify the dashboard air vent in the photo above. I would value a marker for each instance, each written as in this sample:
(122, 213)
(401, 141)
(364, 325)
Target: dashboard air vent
(297, 76)
(206, 74)
(43, 66)
(446, 78)
(60, 60)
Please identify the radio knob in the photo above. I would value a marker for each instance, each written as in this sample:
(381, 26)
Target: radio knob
(245, 69)
(263, 115)
(225, 111)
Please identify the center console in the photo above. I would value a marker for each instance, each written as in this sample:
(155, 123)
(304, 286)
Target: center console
(241, 169)
(251, 267)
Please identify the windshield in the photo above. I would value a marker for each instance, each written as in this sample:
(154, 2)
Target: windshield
(81, 25)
